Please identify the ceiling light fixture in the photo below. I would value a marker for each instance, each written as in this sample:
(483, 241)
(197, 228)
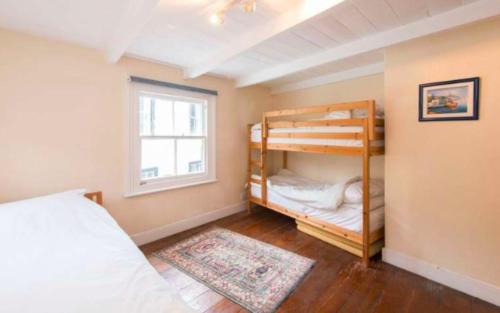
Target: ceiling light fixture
(217, 18)
(249, 6)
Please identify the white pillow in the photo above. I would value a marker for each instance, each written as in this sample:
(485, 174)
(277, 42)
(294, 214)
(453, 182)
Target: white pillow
(375, 203)
(338, 115)
(354, 192)
(363, 113)
(257, 126)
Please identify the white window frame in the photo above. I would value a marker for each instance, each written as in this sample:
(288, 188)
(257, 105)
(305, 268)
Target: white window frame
(134, 184)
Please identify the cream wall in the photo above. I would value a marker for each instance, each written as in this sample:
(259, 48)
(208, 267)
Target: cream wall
(331, 167)
(63, 126)
(442, 187)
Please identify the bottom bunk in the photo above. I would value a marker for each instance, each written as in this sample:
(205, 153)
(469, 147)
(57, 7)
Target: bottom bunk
(332, 213)
(351, 246)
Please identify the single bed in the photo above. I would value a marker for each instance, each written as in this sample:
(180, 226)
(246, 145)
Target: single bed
(64, 253)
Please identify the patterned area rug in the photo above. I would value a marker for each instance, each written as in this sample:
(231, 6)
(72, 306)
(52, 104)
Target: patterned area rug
(256, 275)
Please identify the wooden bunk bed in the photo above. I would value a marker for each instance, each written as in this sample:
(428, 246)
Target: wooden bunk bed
(364, 244)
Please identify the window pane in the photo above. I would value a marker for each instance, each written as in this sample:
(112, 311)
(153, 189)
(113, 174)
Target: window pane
(197, 123)
(190, 156)
(157, 158)
(188, 118)
(145, 116)
(163, 123)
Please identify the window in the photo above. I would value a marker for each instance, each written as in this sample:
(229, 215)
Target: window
(195, 166)
(171, 139)
(149, 172)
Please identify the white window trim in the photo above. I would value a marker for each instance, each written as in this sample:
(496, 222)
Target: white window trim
(133, 186)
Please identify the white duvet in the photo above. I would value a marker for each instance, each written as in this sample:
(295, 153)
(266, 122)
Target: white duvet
(65, 254)
(322, 201)
(309, 192)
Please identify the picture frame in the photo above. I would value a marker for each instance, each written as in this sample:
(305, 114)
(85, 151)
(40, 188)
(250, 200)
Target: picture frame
(453, 100)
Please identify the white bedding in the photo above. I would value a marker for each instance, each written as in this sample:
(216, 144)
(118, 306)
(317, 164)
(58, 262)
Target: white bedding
(256, 136)
(314, 194)
(65, 254)
(346, 215)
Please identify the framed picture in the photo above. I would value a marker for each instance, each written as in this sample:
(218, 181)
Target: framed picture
(453, 100)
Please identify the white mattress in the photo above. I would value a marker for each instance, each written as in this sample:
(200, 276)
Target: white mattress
(347, 216)
(256, 136)
(66, 254)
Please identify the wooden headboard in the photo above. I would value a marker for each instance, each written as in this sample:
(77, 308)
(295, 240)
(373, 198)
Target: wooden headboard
(94, 196)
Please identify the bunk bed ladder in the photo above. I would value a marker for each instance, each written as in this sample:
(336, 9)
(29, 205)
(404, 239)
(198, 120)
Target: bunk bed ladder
(263, 161)
(261, 164)
(249, 169)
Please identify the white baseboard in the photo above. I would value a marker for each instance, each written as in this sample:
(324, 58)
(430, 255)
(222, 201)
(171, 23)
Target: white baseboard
(177, 227)
(465, 284)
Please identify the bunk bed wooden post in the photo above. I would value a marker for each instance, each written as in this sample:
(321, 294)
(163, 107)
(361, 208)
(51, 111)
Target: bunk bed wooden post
(263, 160)
(285, 160)
(367, 134)
(371, 119)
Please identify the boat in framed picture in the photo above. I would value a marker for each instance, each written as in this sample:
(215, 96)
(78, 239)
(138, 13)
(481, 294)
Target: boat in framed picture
(452, 100)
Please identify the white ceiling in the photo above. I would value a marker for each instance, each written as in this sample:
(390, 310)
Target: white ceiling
(281, 45)
(87, 22)
(179, 32)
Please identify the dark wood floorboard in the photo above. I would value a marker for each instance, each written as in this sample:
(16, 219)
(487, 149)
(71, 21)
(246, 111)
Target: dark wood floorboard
(337, 283)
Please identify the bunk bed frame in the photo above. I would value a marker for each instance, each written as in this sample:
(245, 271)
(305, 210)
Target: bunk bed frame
(364, 244)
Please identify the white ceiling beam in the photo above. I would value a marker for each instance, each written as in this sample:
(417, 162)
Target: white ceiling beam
(357, 72)
(296, 15)
(463, 15)
(136, 15)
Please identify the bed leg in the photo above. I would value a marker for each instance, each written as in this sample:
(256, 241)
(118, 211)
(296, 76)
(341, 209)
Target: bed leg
(366, 261)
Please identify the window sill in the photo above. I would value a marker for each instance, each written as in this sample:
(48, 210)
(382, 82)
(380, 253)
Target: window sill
(145, 192)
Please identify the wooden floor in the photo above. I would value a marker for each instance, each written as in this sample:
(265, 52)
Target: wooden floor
(338, 282)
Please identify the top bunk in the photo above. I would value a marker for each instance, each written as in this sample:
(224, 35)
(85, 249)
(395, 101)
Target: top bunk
(354, 128)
